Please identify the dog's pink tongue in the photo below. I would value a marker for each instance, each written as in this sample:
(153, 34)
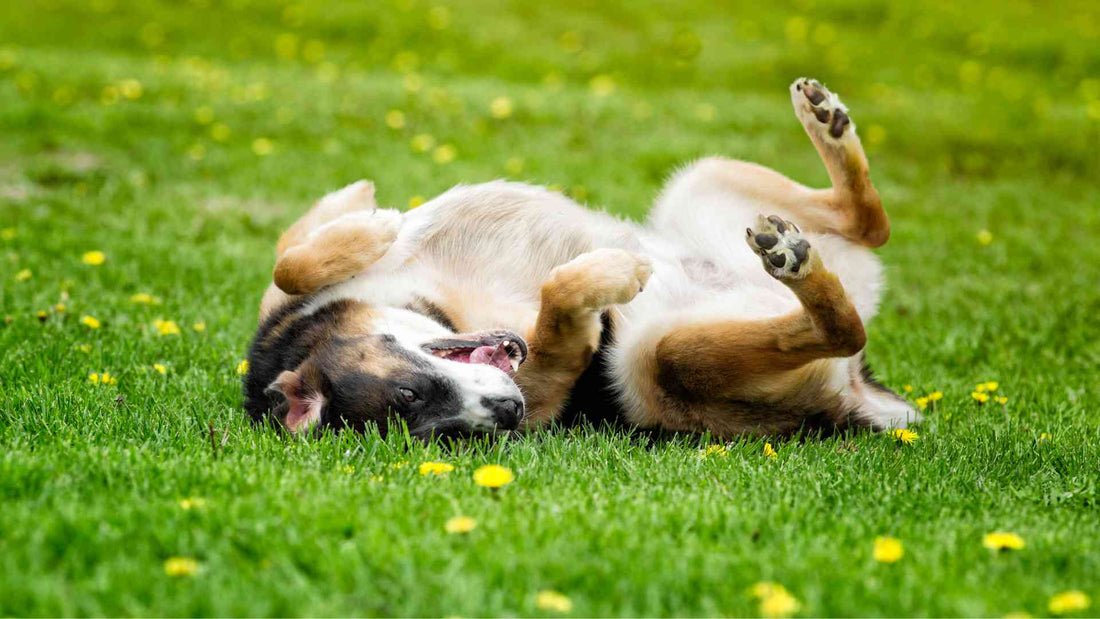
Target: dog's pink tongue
(492, 355)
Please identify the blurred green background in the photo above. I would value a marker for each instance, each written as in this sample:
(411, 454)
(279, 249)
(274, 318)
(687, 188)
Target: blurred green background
(180, 138)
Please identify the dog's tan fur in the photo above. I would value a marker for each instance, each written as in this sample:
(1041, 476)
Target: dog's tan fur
(713, 362)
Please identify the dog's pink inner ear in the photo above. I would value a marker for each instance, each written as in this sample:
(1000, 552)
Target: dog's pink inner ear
(305, 404)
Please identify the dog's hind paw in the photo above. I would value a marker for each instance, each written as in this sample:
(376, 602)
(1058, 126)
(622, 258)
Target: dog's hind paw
(783, 251)
(820, 111)
(598, 279)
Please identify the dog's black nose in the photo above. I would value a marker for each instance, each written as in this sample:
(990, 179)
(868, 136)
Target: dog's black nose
(506, 411)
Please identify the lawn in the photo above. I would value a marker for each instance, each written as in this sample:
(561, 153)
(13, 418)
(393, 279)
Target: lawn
(180, 138)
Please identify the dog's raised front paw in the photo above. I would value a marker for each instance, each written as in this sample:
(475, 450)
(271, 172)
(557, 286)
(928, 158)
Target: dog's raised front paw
(783, 251)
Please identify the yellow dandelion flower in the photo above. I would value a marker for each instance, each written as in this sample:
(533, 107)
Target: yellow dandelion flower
(395, 119)
(60, 308)
(94, 258)
(23, 275)
(286, 46)
(444, 154)
(242, 367)
(131, 89)
(435, 468)
(144, 298)
(922, 403)
(514, 165)
(439, 18)
(980, 396)
(1069, 602)
(999, 540)
(159, 367)
(191, 503)
(985, 237)
(199, 326)
(8, 234)
(89, 322)
(262, 147)
(204, 115)
(769, 452)
(220, 132)
(501, 107)
(908, 388)
(980, 387)
(553, 601)
(602, 85)
(413, 82)
(1044, 437)
(42, 315)
(422, 142)
(460, 524)
(1001, 399)
(718, 451)
(902, 435)
(779, 605)
(992, 385)
(493, 476)
(313, 51)
(416, 201)
(888, 549)
(935, 396)
(775, 600)
(179, 567)
(102, 379)
(166, 327)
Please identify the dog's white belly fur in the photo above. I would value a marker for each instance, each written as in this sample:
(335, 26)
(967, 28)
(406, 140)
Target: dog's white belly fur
(499, 241)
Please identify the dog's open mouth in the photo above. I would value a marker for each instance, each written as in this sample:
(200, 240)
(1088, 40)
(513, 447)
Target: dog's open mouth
(501, 349)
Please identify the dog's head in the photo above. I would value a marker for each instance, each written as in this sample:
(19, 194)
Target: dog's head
(409, 368)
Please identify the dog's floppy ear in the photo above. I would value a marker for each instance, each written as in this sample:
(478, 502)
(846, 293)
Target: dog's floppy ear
(304, 399)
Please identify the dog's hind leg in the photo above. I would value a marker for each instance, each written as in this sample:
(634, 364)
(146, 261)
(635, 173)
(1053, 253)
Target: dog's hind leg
(851, 207)
(340, 236)
(358, 196)
(754, 375)
(567, 329)
(343, 234)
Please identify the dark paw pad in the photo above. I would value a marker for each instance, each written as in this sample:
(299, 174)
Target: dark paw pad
(766, 241)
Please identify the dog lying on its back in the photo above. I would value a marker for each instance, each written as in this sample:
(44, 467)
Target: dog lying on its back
(500, 305)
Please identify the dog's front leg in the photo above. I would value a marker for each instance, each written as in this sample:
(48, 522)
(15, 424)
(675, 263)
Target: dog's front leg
(567, 329)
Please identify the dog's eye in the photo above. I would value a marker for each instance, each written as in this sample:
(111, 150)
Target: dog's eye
(408, 395)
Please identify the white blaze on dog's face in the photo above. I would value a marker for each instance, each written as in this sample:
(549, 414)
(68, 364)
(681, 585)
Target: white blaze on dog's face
(412, 368)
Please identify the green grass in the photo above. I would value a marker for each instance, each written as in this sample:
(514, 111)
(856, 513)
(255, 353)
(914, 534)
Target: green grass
(981, 116)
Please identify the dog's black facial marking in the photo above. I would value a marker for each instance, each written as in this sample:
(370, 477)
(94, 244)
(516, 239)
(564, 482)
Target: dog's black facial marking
(430, 310)
(374, 379)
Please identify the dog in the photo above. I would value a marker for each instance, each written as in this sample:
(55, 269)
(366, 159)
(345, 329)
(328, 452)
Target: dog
(503, 305)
